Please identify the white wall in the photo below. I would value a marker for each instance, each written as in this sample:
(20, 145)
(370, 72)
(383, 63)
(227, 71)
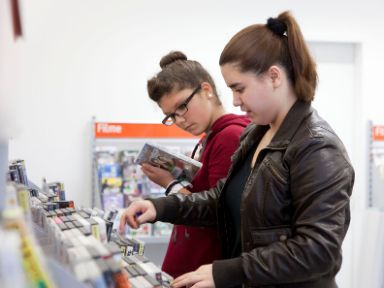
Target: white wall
(80, 58)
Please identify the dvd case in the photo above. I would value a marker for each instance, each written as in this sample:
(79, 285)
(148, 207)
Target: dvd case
(181, 166)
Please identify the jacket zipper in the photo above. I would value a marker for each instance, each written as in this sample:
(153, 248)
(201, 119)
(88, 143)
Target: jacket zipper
(274, 171)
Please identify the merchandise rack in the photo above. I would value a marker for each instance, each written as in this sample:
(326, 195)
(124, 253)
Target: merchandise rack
(113, 136)
(375, 166)
(49, 247)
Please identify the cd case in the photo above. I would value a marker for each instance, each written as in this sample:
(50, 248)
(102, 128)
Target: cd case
(181, 166)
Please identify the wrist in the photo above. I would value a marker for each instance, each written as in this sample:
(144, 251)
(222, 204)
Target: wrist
(175, 186)
(166, 182)
(171, 187)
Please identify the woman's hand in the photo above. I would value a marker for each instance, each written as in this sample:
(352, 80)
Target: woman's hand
(201, 278)
(137, 213)
(158, 175)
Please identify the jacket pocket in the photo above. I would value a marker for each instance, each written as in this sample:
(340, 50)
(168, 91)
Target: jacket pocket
(276, 172)
(264, 237)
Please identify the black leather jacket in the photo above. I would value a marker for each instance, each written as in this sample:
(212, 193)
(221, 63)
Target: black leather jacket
(294, 207)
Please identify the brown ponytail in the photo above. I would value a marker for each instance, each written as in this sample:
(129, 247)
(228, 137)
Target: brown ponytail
(257, 47)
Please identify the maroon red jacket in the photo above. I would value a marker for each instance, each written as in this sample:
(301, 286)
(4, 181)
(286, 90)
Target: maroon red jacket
(191, 247)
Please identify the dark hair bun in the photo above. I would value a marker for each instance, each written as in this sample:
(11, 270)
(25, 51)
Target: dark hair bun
(277, 26)
(172, 57)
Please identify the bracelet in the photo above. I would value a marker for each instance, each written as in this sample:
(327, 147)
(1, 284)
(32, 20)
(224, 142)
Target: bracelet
(170, 185)
(175, 189)
(175, 186)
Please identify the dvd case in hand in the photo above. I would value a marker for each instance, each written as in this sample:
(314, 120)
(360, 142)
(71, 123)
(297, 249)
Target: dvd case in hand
(180, 165)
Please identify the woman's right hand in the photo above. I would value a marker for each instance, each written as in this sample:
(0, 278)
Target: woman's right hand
(138, 212)
(158, 175)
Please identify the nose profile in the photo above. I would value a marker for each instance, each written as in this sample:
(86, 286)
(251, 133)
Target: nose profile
(236, 100)
(179, 119)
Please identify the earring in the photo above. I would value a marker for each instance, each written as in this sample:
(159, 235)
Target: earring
(209, 95)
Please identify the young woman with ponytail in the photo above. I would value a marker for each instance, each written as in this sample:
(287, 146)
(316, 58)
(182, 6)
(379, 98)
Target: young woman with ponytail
(283, 211)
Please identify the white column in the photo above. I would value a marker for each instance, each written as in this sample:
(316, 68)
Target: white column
(3, 170)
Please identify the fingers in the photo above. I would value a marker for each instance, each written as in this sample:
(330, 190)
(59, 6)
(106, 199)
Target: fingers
(145, 167)
(159, 176)
(137, 213)
(201, 278)
(192, 281)
(127, 217)
(149, 168)
(150, 214)
(187, 279)
(150, 171)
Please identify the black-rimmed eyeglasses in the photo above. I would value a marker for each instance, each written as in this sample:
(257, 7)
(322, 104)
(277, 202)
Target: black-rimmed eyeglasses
(180, 111)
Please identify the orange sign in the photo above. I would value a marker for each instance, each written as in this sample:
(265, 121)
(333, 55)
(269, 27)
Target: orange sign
(130, 130)
(378, 133)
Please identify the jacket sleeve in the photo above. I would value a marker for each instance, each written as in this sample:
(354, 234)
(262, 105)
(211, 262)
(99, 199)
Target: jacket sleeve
(197, 209)
(321, 181)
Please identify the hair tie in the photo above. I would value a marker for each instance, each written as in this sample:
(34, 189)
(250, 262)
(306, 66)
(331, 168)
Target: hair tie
(276, 26)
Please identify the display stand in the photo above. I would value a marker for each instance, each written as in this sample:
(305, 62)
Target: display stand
(114, 138)
(61, 276)
(376, 166)
(124, 178)
(47, 242)
(54, 244)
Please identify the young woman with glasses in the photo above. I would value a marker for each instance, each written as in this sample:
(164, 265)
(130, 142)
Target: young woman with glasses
(187, 95)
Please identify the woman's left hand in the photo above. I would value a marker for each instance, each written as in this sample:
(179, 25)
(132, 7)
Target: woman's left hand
(158, 175)
(201, 278)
